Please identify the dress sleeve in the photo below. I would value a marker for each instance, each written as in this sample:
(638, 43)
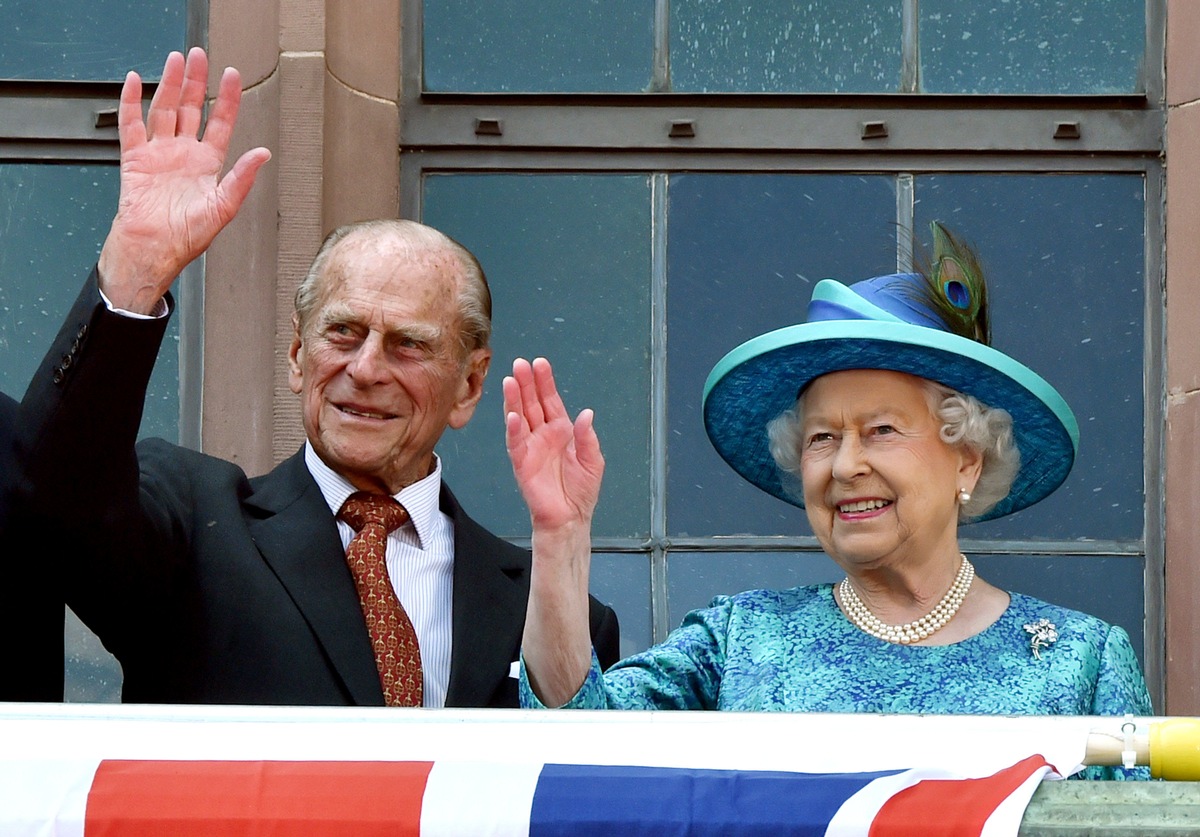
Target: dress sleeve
(1120, 687)
(683, 672)
(1120, 690)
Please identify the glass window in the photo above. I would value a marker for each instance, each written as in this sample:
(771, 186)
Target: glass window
(568, 261)
(514, 45)
(55, 214)
(622, 581)
(754, 197)
(1065, 260)
(754, 47)
(695, 578)
(743, 254)
(1032, 46)
(1109, 587)
(1049, 47)
(100, 40)
(55, 219)
(1063, 254)
(92, 674)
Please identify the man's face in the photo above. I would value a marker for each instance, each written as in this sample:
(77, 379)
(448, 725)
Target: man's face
(379, 367)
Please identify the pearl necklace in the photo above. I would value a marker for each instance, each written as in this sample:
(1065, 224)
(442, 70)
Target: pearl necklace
(917, 630)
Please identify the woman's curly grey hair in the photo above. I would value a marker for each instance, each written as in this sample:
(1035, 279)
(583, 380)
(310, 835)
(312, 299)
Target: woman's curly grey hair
(965, 421)
(474, 299)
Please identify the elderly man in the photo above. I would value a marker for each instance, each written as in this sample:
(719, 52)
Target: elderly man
(348, 574)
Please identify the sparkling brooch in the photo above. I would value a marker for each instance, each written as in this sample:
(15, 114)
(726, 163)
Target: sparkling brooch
(1043, 632)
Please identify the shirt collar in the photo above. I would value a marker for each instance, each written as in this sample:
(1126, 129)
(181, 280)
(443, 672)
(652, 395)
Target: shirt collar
(420, 499)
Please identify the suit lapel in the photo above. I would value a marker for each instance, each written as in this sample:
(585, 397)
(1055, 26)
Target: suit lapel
(298, 538)
(491, 585)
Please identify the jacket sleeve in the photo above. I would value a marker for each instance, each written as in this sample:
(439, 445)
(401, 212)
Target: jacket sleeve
(78, 425)
(606, 632)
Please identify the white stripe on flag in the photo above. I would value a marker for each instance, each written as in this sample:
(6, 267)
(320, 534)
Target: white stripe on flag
(854, 818)
(45, 798)
(479, 798)
(1006, 819)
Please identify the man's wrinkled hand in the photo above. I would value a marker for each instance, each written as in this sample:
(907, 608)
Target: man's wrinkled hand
(174, 199)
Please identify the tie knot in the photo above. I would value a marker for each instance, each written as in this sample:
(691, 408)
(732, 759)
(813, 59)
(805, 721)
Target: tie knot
(362, 508)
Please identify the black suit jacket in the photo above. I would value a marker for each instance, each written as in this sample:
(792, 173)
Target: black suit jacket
(210, 587)
(31, 602)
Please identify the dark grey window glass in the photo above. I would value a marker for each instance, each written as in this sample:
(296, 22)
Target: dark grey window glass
(816, 47)
(601, 46)
(55, 217)
(743, 254)
(622, 581)
(1065, 260)
(1107, 587)
(92, 674)
(98, 40)
(1032, 46)
(568, 261)
(693, 579)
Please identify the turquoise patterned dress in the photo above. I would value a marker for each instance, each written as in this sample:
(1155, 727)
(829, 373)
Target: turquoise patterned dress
(794, 651)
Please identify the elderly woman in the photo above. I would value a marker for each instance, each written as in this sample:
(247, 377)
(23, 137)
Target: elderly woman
(896, 422)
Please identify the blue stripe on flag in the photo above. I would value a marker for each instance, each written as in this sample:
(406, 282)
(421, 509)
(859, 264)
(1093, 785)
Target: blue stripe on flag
(582, 800)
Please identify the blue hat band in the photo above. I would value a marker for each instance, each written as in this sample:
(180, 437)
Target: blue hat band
(881, 298)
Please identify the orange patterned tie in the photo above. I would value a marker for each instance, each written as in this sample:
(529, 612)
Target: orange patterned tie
(397, 655)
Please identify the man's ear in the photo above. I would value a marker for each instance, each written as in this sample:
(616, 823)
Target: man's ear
(470, 388)
(295, 358)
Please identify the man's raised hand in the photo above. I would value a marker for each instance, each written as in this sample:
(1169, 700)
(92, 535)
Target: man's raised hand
(174, 199)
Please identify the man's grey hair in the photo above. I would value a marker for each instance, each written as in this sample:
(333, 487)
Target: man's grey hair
(474, 296)
(965, 421)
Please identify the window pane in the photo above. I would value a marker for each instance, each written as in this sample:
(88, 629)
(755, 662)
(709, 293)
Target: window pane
(815, 47)
(602, 46)
(92, 674)
(100, 40)
(1032, 46)
(743, 254)
(623, 582)
(1105, 586)
(694, 578)
(568, 260)
(55, 219)
(1065, 261)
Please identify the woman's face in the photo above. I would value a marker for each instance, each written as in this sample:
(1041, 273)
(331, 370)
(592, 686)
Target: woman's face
(880, 485)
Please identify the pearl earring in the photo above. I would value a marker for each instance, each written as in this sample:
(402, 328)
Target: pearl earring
(964, 496)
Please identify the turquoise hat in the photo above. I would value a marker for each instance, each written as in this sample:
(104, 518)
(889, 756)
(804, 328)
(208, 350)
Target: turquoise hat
(884, 323)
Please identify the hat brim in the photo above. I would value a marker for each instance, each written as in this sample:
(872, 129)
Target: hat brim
(760, 379)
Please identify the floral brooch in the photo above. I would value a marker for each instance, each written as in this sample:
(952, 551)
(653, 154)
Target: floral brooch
(1043, 632)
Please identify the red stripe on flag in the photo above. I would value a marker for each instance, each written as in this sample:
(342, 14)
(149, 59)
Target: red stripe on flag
(950, 807)
(281, 798)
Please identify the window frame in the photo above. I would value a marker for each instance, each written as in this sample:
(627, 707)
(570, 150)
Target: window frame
(663, 133)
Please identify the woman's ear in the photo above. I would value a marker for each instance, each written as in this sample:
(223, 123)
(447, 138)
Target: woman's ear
(970, 466)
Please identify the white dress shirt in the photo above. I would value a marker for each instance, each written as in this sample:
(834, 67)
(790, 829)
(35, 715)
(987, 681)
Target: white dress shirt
(420, 564)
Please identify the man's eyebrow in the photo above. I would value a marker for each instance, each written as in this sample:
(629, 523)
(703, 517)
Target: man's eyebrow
(419, 332)
(337, 313)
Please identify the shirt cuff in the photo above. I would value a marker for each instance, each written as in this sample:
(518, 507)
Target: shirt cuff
(161, 309)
